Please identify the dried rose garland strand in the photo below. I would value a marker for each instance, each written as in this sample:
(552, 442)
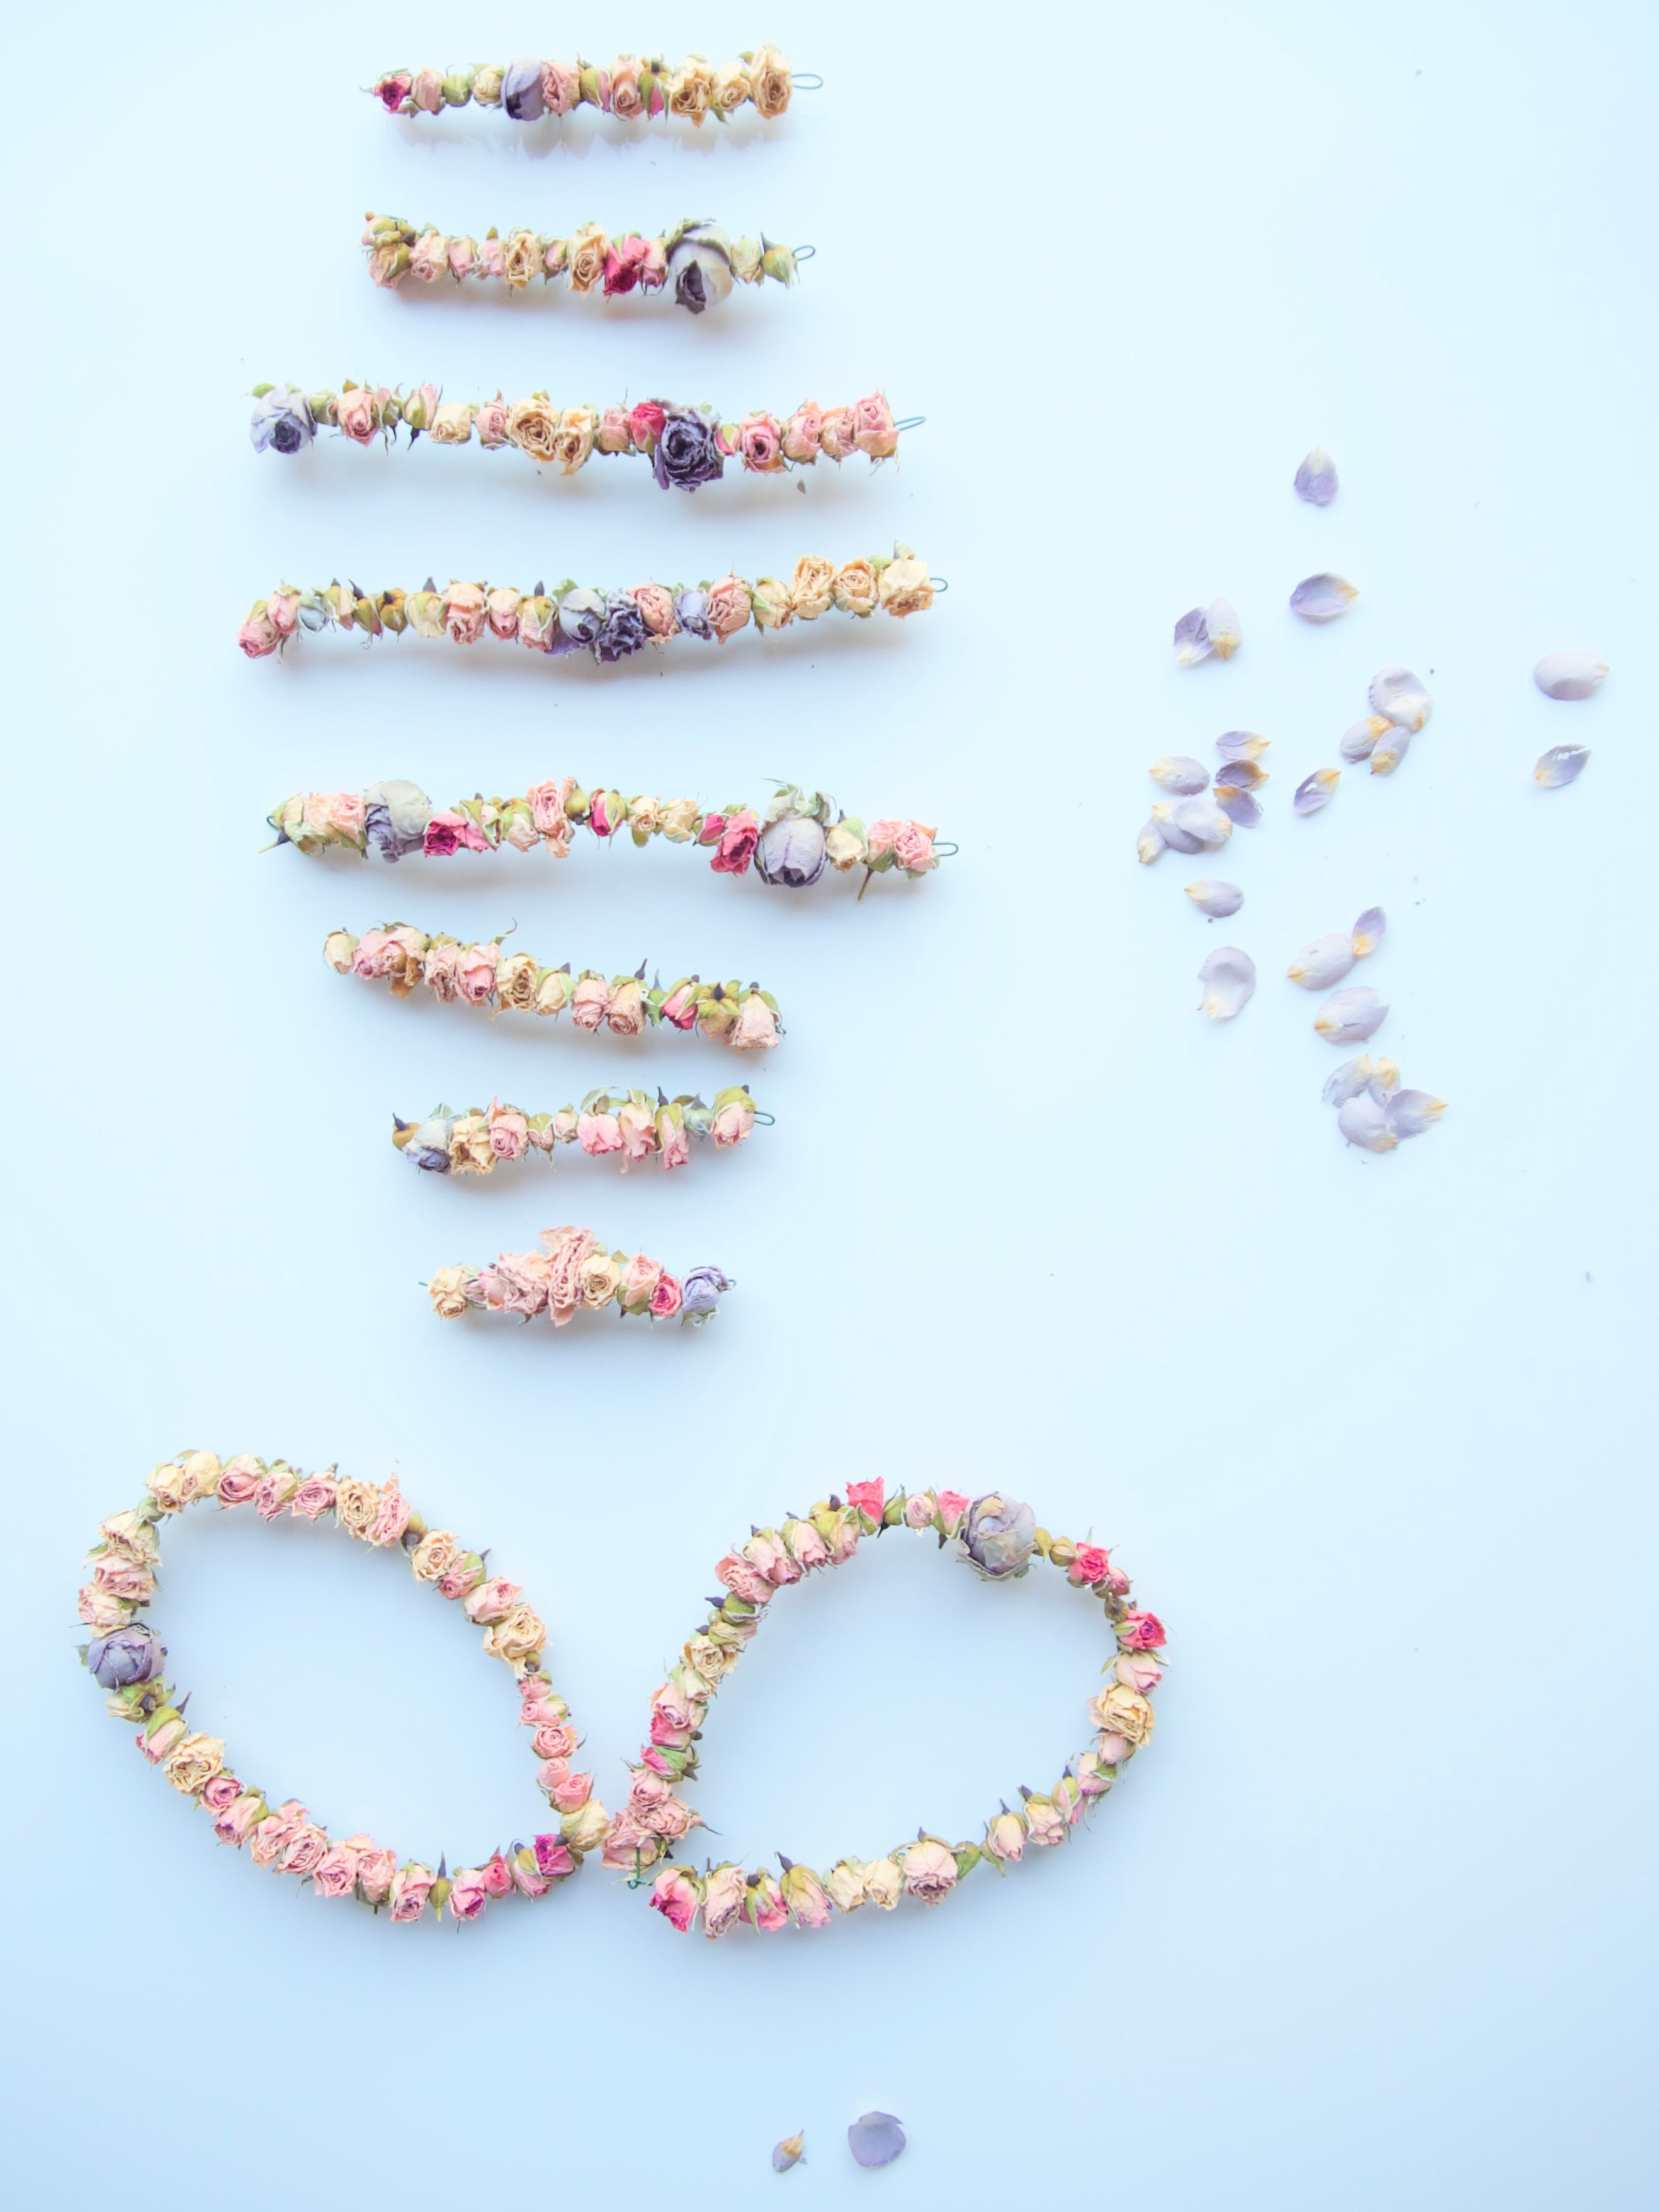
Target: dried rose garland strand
(634, 87)
(740, 1015)
(625, 1124)
(127, 1659)
(792, 839)
(696, 264)
(998, 1535)
(572, 1271)
(573, 618)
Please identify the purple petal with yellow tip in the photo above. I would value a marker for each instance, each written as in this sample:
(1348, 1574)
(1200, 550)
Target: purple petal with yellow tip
(1202, 819)
(1348, 1081)
(1350, 1017)
(1179, 773)
(1228, 980)
(1575, 675)
(1360, 736)
(1217, 900)
(1384, 1081)
(1369, 932)
(1238, 805)
(1324, 961)
(875, 2139)
(1400, 696)
(1241, 744)
(1321, 599)
(1222, 623)
(1149, 845)
(790, 2152)
(1362, 1122)
(1178, 839)
(1192, 638)
(1316, 791)
(1388, 752)
(1315, 480)
(1243, 776)
(1561, 764)
(1408, 1113)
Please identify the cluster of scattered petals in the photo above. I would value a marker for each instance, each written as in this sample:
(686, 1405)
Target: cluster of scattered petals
(1203, 632)
(129, 1662)
(739, 1015)
(998, 1536)
(1194, 819)
(694, 263)
(634, 87)
(627, 1126)
(571, 1271)
(1373, 1111)
(1399, 706)
(609, 625)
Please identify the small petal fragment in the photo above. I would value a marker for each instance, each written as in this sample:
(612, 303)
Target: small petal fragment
(790, 2152)
(876, 2139)
(1225, 636)
(1217, 900)
(1388, 752)
(1350, 1017)
(1321, 599)
(1323, 961)
(1349, 1080)
(1408, 1113)
(1362, 1123)
(1577, 675)
(1192, 638)
(1179, 773)
(1178, 839)
(1384, 1081)
(1358, 740)
(1201, 818)
(1401, 697)
(1229, 978)
(1561, 764)
(1237, 805)
(1149, 845)
(1315, 480)
(1369, 932)
(1317, 790)
(1242, 745)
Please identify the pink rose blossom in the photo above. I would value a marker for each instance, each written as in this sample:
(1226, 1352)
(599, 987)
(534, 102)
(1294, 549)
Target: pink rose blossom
(656, 605)
(588, 1002)
(874, 431)
(561, 87)
(221, 1792)
(613, 436)
(509, 1133)
(462, 257)
(639, 1283)
(913, 848)
(475, 972)
(645, 422)
(468, 1898)
(159, 1741)
(491, 424)
(233, 1823)
(599, 818)
(516, 1283)
(553, 1739)
(739, 834)
(673, 1142)
(501, 609)
(1140, 1632)
(622, 263)
(765, 1908)
(491, 1600)
(302, 1851)
(676, 1894)
(726, 608)
(547, 804)
(411, 1886)
(867, 1498)
(1090, 1564)
(336, 1872)
(881, 837)
(952, 1507)
(1137, 1672)
(569, 1792)
(426, 90)
(801, 432)
(492, 259)
(464, 611)
(679, 1008)
(460, 1580)
(770, 1556)
(529, 1882)
(273, 1494)
(377, 1868)
(761, 443)
(919, 1511)
(597, 1134)
(638, 1126)
(496, 1876)
(392, 91)
(654, 270)
(392, 1518)
(314, 1497)
(125, 1579)
(808, 1547)
(733, 1121)
(553, 1857)
(667, 1298)
(756, 1026)
(238, 1482)
(838, 434)
(354, 412)
(258, 634)
(566, 1248)
(283, 608)
(742, 1579)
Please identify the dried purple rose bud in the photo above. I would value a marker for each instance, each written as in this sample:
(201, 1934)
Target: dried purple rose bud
(791, 851)
(702, 1292)
(124, 1657)
(997, 1539)
(424, 1144)
(521, 89)
(687, 452)
(282, 420)
(699, 267)
(395, 816)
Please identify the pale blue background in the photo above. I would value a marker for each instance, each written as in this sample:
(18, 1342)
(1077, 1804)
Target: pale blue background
(1371, 1925)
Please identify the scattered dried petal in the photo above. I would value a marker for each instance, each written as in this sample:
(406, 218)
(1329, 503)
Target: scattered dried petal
(876, 2139)
(1225, 636)
(1369, 932)
(1242, 745)
(1192, 638)
(1408, 1113)
(1561, 764)
(1243, 776)
(1350, 1017)
(1577, 675)
(1315, 480)
(1321, 599)
(1217, 900)
(1358, 740)
(1178, 839)
(1229, 978)
(1385, 1080)
(1362, 1122)
(1349, 1080)
(1388, 752)
(790, 2152)
(1316, 791)
(1401, 697)
(1150, 844)
(1201, 818)
(1179, 773)
(1237, 805)
(1323, 961)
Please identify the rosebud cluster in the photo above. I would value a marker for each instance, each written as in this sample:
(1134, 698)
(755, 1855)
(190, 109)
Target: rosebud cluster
(694, 263)
(624, 1124)
(740, 1015)
(998, 1537)
(571, 1271)
(572, 619)
(128, 1661)
(793, 839)
(634, 86)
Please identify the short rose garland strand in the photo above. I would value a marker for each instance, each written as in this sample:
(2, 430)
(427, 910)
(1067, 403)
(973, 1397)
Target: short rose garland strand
(740, 1015)
(622, 1123)
(695, 263)
(633, 86)
(127, 1659)
(687, 446)
(791, 842)
(574, 1270)
(571, 618)
(998, 1536)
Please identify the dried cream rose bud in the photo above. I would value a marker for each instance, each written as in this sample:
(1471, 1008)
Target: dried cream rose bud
(447, 1292)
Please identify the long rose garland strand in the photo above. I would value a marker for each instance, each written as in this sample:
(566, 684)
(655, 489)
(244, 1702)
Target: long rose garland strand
(634, 87)
(624, 1125)
(574, 1270)
(695, 263)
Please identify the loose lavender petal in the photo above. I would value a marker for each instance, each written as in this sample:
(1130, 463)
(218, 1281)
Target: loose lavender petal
(1577, 675)
(1225, 636)
(1388, 752)
(1408, 1113)
(876, 2139)
(1315, 480)
(1178, 839)
(1217, 900)
(1243, 776)
(1350, 1017)
(1237, 805)
(1323, 961)
(1321, 599)
(1228, 980)
(1400, 696)
(1179, 773)
(1242, 745)
(1149, 845)
(1358, 741)
(1192, 638)
(790, 2152)
(1316, 791)
(1362, 1123)
(1560, 765)
(1369, 932)
(1349, 1080)
(1385, 1080)
(1201, 818)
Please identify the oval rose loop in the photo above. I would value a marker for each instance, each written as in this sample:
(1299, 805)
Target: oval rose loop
(129, 1662)
(998, 1536)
